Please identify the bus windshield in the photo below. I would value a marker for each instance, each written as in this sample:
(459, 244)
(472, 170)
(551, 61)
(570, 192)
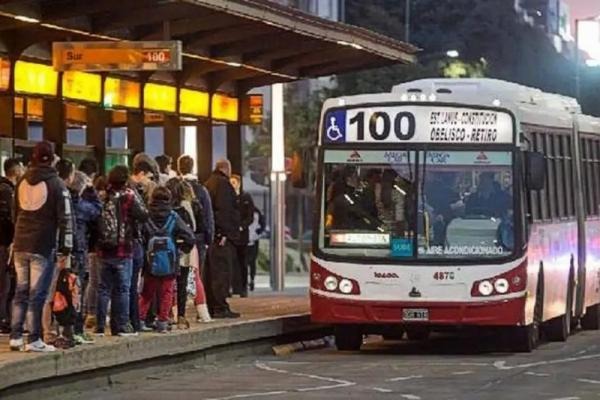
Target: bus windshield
(417, 204)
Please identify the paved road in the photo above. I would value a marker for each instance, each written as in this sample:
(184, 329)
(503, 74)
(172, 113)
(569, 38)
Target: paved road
(444, 367)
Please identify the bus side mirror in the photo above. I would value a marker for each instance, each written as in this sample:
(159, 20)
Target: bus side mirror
(535, 170)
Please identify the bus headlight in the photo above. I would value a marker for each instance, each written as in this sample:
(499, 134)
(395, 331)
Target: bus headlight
(501, 285)
(485, 288)
(346, 286)
(331, 283)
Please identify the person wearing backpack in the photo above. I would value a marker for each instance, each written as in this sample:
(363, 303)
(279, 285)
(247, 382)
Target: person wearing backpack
(121, 211)
(166, 233)
(43, 227)
(13, 171)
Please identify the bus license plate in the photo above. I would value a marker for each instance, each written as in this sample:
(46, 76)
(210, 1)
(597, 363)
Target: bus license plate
(415, 314)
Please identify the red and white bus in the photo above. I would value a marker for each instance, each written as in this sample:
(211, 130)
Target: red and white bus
(454, 203)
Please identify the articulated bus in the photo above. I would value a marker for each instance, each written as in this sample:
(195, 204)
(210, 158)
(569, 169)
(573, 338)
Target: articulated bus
(456, 203)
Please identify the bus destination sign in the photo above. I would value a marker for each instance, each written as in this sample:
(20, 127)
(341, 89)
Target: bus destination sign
(419, 124)
(117, 56)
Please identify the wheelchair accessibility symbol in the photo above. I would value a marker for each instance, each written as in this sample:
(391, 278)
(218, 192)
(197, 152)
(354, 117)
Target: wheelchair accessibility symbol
(334, 131)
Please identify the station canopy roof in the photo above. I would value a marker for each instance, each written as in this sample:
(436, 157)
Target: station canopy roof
(238, 43)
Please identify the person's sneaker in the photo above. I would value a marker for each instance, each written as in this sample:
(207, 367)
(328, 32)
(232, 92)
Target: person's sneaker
(251, 286)
(40, 347)
(63, 343)
(162, 327)
(226, 314)
(128, 331)
(84, 338)
(182, 323)
(16, 344)
(145, 328)
(90, 322)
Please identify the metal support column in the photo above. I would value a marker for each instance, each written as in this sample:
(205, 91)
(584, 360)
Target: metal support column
(234, 147)
(204, 149)
(277, 189)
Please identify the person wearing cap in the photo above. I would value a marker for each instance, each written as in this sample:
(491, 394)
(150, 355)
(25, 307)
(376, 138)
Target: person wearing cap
(43, 227)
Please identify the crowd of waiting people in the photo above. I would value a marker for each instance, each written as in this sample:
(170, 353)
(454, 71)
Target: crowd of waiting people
(78, 250)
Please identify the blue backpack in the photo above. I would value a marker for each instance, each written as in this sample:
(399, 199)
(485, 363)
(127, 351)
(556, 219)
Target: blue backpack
(162, 251)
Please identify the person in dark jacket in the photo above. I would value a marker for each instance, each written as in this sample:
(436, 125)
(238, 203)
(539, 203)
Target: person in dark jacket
(43, 225)
(221, 252)
(246, 206)
(87, 208)
(116, 254)
(161, 210)
(13, 170)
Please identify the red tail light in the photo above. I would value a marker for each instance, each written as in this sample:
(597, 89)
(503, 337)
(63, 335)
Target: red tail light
(327, 281)
(511, 281)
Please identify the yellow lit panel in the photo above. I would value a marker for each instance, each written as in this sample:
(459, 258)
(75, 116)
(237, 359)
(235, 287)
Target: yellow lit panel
(225, 108)
(121, 93)
(160, 97)
(35, 109)
(75, 113)
(192, 102)
(82, 86)
(19, 106)
(4, 73)
(35, 78)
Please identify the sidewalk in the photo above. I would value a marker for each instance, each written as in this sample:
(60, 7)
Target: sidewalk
(263, 315)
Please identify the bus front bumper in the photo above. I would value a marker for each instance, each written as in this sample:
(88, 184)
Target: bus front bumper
(507, 312)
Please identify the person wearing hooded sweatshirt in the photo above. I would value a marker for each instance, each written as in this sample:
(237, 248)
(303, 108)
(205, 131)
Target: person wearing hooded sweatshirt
(161, 210)
(43, 225)
(13, 169)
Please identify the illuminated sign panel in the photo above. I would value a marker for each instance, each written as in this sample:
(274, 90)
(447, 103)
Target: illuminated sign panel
(252, 109)
(589, 41)
(225, 108)
(4, 73)
(160, 97)
(121, 93)
(193, 102)
(82, 86)
(35, 78)
(117, 56)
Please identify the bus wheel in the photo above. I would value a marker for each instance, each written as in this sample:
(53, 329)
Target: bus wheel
(419, 333)
(591, 319)
(558, 329)
(525, 339)
(348, 337)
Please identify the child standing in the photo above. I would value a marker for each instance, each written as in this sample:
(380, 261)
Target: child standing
(166, 233)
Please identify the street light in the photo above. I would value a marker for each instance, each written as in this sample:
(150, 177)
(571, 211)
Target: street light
(595, 32)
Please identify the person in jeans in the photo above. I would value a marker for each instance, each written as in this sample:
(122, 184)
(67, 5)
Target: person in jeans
(43, 225)
(13, 170)
(121, 212)
(161, 215)
(221, 253)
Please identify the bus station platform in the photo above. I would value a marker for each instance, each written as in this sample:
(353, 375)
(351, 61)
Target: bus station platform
(264, 315)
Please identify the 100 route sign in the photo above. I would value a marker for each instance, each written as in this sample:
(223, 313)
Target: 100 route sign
(117, 56)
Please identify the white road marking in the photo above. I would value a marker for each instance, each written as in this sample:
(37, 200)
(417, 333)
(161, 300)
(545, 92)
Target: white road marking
(501, 365)
(338, 382)
(589, 381)
(461, 364)
(567, 398)
(405, 378)
(382, 390)
(246, 395)
(462, 373)
(536, 373)
(410, 397)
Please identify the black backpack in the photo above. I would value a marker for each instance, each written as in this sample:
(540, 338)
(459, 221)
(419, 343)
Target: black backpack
(111, 230)
(197, 206)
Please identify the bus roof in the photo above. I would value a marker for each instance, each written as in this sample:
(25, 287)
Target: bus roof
(530, 105)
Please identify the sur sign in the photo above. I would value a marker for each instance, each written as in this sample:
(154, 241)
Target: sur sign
(117, 56)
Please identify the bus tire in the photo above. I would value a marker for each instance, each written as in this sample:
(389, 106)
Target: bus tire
(591, 319)
(525, 339)
(348, 337)
(558, 329)
(418, 333)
